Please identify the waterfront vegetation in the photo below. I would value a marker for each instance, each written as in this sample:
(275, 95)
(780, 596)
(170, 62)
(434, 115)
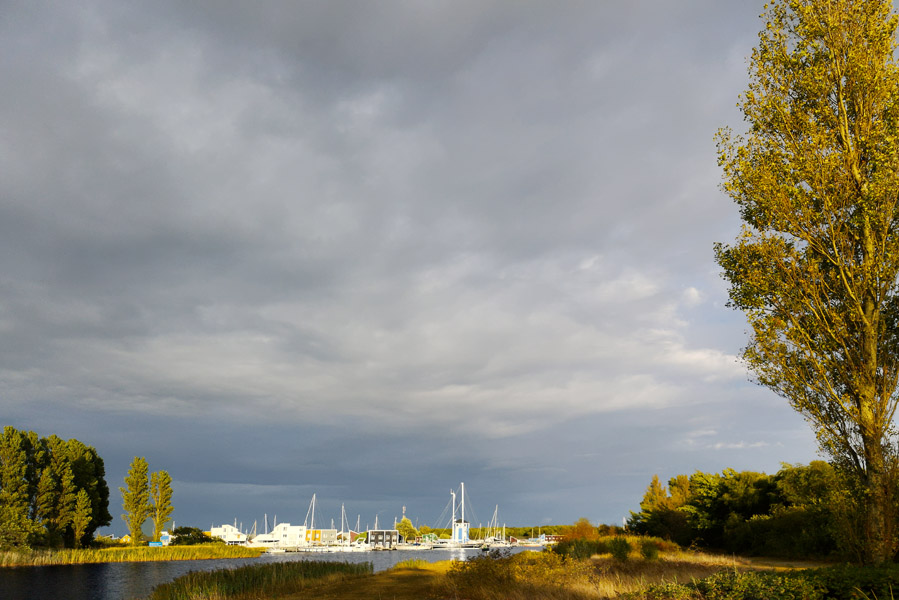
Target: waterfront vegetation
(674, 574)
(258, 581)
(28, 557)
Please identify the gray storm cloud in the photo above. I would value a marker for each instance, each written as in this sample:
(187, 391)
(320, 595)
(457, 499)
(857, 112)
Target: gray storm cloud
(377, 248)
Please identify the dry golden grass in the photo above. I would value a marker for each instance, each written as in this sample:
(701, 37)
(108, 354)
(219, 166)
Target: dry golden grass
(526, 576)
(535, 576)
(616, 577)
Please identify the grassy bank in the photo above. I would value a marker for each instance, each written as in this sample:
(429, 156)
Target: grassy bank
(259, 581)
(523, 576)
(548, 576)
(632, 572)
(36, 558)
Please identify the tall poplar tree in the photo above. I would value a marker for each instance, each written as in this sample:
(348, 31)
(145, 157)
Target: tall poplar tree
(89, 474)
(815, 269)
(15, 523)
(56, 493)
(82, 516)
(161, 493)
(136, 498)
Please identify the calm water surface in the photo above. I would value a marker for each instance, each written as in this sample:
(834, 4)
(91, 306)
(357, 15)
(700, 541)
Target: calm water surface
(130, 581)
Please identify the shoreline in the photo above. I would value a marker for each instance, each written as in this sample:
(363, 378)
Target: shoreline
(46, 558)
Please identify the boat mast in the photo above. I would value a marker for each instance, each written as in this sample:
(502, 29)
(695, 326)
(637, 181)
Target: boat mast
(453, 522)
(495, 520)
(310, 510)
(463, 503)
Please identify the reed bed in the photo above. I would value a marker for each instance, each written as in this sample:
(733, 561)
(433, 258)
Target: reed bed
(411, 563)
(35, 558)
(257, 581)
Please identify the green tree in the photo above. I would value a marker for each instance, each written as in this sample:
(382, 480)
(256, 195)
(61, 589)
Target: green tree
(407, 530)
(662, 515)
(815, 270)
(82, 516)
(136, 498)
(161, 493)
(89, 475)
(56, 493)
(15, 523)
(656, 496)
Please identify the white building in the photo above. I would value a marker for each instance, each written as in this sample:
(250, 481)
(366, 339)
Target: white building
(284, 535)
(229, 533)
(460, 531)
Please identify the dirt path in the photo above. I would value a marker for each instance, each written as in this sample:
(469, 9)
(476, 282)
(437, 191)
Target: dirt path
(402, 584)
(779, 564)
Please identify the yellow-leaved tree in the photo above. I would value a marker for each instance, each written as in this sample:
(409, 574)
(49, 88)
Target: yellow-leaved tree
(816, 177)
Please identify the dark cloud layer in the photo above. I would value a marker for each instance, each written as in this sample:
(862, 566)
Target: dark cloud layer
(370, 250)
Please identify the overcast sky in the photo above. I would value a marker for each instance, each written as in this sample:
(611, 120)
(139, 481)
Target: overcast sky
(370, 250)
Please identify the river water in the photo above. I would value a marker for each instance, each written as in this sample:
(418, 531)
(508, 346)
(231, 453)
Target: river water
(131, 581)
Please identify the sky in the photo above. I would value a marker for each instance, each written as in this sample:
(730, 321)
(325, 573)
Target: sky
(371, 250)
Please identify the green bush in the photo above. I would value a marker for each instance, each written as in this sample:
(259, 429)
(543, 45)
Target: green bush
(728, 585)
(833, 583)
(620, 548)
(580, 548)
(649, 549)
(847, 582)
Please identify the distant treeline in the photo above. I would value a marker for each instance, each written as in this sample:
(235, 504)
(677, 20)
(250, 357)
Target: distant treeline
(53, 492)
(801, 511)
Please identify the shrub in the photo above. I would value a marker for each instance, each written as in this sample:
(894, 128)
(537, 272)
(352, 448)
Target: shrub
(580, 548)
(851, 582)
(649, 549)
(838, 583)
(620, 548)
(728, 585)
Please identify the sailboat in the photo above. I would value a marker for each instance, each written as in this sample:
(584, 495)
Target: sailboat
(495, 540)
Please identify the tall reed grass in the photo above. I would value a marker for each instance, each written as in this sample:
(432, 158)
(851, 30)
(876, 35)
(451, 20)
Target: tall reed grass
(411, 563)
(34, 558)
(257, 581)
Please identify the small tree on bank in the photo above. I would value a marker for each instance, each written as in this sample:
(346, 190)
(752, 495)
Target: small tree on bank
(815, 269)
(406, 529)
(136, 498)
(161, 492)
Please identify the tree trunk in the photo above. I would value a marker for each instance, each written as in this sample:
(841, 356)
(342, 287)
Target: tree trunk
(879, 517)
